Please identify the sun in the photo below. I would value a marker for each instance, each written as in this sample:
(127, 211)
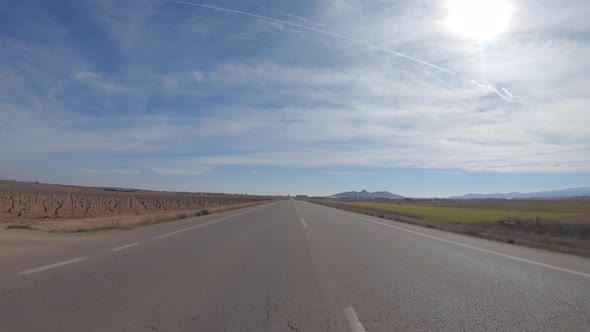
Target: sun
(481, 20)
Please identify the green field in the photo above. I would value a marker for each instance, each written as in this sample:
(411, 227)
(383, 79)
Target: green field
(466, 212)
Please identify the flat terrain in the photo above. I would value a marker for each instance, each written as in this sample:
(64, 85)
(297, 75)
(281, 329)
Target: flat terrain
(287, 266)
(482, 210)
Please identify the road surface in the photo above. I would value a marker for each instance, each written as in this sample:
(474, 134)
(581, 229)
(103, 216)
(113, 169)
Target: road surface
(291, 266)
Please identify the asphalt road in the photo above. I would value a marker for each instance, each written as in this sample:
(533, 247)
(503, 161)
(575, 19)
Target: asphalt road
(291, 266)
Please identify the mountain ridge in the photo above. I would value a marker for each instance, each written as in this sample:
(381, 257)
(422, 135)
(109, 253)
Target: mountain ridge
(560, 193)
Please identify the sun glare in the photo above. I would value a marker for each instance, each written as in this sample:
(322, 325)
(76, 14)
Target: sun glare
(481, 20)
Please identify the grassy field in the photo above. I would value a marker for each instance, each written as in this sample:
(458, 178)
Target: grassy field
(475, 211)
(565, 225)
(574, 205)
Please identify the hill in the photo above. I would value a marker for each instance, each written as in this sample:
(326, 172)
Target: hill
(363, 194)
(562, 193)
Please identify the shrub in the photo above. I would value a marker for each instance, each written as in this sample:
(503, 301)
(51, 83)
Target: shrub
(19, 227)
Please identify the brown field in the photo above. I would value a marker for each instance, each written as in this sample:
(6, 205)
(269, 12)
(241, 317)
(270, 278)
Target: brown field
(564, 224)
(68, 208)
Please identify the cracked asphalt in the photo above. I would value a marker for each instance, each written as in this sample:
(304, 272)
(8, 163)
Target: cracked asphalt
(262, 270)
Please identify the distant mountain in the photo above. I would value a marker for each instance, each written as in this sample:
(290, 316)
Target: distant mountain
(363, 194)
(563, 193)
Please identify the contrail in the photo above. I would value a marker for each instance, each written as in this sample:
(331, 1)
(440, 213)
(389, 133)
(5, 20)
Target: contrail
(356, 41)
(504, 94)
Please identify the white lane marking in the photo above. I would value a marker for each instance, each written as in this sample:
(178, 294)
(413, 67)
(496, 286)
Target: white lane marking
(52, 266)
(549, 266)
(186, 229)
(125, 246)
(203, 224)
(303, 222)
(353, 320)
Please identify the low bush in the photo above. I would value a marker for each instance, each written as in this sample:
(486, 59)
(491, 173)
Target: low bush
(19, 227)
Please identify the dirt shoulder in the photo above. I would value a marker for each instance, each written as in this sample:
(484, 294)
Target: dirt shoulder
(559, 237)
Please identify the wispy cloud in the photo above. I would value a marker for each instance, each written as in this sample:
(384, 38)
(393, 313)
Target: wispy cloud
(186, 89)
(86, 75)
(278, 25)
(345, 173)
(108, 171)
(302, 19)
(182, 171)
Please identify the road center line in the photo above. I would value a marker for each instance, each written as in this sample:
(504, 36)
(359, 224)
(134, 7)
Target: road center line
(204, 224)
(549, 266)
(303, 222)
(52, 266)
(353, 320)
(125, 246)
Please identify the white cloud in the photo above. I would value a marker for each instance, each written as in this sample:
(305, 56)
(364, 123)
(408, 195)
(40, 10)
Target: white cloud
(197, 75)
(278, 25)
(302, 19)
(197, 170)
(310, 100)
(111, 171)
(83, 75)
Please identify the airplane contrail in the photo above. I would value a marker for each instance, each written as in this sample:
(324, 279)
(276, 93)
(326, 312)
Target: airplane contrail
(356, 41)
(504, 94)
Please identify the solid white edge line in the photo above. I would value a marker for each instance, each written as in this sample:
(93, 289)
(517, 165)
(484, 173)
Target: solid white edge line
(125, 246)
(303, 222)
(353, 320)
(184, 229)
(204, 224)
(52, 266)
(549, 266)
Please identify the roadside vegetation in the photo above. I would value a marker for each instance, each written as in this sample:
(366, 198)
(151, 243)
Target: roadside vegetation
(457, 214)
(559, 224)
(58, 208)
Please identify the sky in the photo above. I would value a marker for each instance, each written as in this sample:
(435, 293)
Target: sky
(295, 97)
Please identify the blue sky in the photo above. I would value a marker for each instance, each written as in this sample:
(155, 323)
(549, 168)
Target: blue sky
(354, 94)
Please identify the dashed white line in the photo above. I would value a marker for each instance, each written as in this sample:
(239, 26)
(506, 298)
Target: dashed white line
(75, 260)
(125, 246)
(353, 320)
(52, 266)
(303, 222)
(562, 269)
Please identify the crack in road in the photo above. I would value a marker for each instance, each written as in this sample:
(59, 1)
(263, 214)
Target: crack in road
(153, 328)
(292, 327)
(268, 309)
